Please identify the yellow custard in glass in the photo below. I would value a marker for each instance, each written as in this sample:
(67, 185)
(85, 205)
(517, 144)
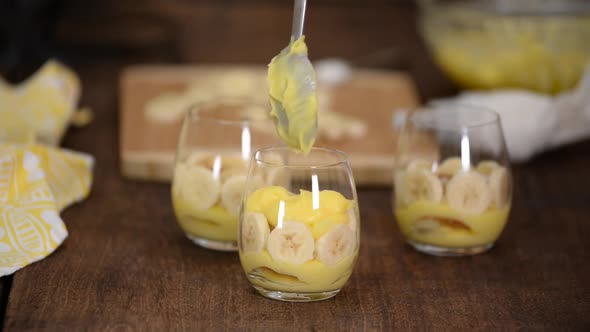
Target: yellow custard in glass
(214, 223)
(440, 225)
(207, 195)
(452, 206)
(306, 242)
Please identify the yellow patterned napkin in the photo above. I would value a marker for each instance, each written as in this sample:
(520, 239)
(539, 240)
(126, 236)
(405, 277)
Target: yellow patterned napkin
(36, 183)
(41, 107)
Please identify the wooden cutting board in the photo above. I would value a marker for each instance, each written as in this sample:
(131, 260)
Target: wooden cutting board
(147, 148)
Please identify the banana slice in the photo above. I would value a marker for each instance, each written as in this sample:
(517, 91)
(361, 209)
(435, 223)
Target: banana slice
(197, 185)
(255, 230)
(231, 193)
(487, 167)
(336, 245)
(227, 173)
(449, 167)
(233, 162)
(418, 184)
(468, 193)
(499, 186)
(420, 164)
(197, 158)
(209, 160)
(292, 243)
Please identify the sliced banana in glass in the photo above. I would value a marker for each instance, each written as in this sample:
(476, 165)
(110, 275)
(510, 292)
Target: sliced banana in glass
(468, 192)
(449, 167)
(486, 167)
(231, 193)
(420, 164)
(292, 243)
(198, 158)
(228, 173)
(255, 231)
(418, 184)
(196, 185)
(499, 186)
(336, 245)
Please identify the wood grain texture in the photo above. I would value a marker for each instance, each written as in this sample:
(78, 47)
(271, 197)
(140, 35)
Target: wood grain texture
(127, 266)
(147, 147)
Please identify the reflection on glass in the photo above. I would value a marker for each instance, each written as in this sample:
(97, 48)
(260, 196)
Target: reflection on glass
(452, 181)
(210, 171)
(299, 229)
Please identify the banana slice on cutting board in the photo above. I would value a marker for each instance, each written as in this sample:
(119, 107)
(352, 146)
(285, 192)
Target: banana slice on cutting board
(469, 193)
(255, 231)
(336, 245)
(292, 243)
(449, 167)
(418, 184)
(499, 183)
(196, 185)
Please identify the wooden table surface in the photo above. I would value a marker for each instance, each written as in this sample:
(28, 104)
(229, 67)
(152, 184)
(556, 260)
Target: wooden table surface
(127, 266)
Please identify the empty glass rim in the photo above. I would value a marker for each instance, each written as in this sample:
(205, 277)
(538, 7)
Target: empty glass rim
(193, 111)
(342, 157)
(452, 115)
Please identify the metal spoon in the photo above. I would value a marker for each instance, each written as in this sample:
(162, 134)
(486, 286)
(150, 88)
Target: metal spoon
(298, 18)
(301, 75)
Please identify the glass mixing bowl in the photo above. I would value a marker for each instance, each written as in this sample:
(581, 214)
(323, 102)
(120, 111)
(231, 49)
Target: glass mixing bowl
(485, 44)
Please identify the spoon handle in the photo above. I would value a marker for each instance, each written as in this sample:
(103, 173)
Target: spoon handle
(298, 19)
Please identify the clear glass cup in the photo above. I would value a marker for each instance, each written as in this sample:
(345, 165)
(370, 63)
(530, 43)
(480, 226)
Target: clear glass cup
(452, 180)
(215, 144)
(299, 225)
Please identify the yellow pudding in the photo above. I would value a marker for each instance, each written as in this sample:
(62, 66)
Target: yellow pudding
(482, 50)
(213, 224)
(306, 242)
(312, 276)
(452, 205)
(207, 195)
(438, 224)
(332, 208)
(293, 96)
(546, 72)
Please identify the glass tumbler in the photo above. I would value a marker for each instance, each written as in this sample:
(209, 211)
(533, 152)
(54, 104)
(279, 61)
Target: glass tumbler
(214, 148)
(299, 224)
(452, 180)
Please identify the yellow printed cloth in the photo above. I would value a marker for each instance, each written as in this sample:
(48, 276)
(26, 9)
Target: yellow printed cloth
(40, 108)
(36, 183)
